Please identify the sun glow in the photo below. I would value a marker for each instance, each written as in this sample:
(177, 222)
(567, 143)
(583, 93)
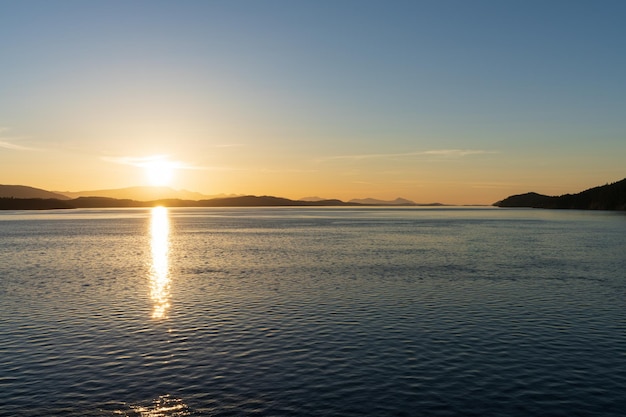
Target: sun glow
(159, 171)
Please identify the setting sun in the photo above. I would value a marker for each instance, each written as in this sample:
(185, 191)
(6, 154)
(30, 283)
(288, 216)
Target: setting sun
(159, 171)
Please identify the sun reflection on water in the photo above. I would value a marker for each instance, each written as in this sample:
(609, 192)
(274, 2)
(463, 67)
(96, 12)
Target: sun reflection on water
(164, 406)
(159, 269)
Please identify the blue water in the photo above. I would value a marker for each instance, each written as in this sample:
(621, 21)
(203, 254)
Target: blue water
(313, 312)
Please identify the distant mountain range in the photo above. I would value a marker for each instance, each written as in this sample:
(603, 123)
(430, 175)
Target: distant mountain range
(11, 203)
(142, 194)
(149, 196)
(397, 202)
(18, 197)
(605, 197)
(375, 202)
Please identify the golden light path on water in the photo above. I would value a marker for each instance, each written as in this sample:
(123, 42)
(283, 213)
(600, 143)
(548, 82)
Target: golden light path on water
(159, 269)
(159, 281)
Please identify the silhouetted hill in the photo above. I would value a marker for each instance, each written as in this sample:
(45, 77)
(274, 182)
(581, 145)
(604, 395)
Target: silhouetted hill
(254, 201)
(107, 202)
(605, 197)
(312, 198)
(140, 194)
(10, 203)
(397, 202)
(22, 191)
(526, 200)
(375, 202)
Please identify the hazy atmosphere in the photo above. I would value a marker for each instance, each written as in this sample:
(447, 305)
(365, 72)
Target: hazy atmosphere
(449, 101)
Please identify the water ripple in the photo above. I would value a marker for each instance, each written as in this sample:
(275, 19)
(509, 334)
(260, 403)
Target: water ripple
(332, 312)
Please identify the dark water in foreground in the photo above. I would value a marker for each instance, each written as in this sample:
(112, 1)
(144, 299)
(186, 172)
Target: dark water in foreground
(313, 312)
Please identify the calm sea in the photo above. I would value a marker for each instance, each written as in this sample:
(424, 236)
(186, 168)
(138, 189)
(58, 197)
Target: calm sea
(313, 312)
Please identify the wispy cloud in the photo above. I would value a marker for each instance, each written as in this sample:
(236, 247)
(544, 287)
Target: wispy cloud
(230, 145)
(14, 147)
(148, 161)
(152, 160)
(285, 170)
(457, 152)
(8, 142)
(449, 153)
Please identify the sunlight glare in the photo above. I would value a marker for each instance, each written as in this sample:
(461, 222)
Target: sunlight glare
(165, 405)
(159, 270)
(159, 171)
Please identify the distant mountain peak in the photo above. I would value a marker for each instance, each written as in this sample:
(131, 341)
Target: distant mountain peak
(373, 201)
(313, 198)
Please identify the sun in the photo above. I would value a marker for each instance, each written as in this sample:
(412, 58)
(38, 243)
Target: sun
(159, 171)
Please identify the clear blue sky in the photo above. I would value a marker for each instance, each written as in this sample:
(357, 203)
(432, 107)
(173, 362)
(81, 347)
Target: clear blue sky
(452, 101)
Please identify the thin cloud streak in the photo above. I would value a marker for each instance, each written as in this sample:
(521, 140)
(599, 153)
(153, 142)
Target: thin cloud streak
(145, 161)
(434, 152)
(7, 142)
(286, 171)
(14, 147)
(230, 145)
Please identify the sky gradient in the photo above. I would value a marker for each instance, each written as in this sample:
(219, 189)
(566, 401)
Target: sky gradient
(459, 102)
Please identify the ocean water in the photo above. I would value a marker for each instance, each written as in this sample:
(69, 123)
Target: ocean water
(313, 312)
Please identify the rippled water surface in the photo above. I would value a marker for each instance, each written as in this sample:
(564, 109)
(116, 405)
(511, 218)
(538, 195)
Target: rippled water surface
(313, 312)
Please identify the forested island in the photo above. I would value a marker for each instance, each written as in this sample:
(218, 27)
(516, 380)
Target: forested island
(605, 197)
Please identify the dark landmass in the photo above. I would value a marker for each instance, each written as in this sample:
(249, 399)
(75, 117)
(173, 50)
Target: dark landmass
(605, 197)
(22, 191)
(254, 201)
(150, 194)
(10, 203)
(19, 197)
(106, 202)
(375, 202)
